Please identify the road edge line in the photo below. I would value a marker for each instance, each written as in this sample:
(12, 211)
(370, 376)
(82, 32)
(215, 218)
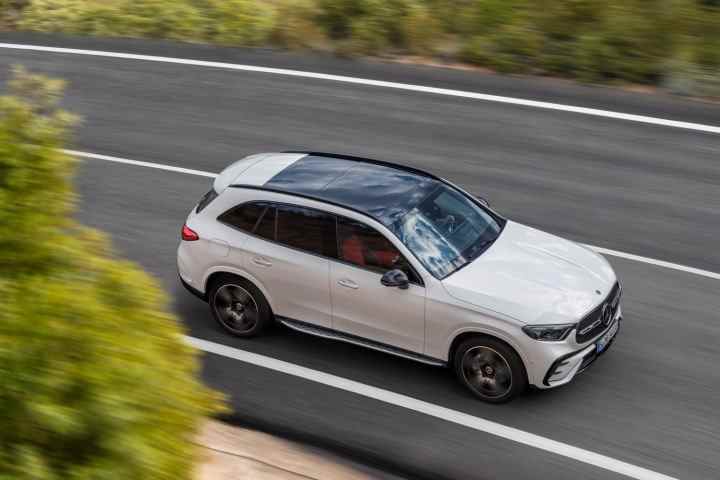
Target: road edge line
(378, 83)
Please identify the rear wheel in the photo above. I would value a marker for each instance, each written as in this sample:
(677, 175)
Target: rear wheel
(238, 306)
(490, 369)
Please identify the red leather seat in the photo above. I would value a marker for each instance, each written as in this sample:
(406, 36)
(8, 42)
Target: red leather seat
(385, 259)
(352, 250)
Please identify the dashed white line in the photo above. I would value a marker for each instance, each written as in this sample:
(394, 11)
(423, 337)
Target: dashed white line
(137, 163)
(377, 83)
(659, 263)
(604, 251)
(420, 406)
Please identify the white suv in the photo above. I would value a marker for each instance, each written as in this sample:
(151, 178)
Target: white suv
(398, 260)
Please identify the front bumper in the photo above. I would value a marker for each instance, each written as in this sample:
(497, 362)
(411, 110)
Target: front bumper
(567, 367)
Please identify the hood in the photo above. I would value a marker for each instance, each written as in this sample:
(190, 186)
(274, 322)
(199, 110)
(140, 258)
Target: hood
(534, 277)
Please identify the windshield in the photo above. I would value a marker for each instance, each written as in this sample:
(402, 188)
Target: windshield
(446, 231)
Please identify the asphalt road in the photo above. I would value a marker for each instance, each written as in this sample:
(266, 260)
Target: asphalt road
(654, 191)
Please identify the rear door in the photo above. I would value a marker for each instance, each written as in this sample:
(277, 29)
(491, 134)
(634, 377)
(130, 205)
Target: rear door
(286, 252)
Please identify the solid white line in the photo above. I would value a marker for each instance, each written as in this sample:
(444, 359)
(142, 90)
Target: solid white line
(446, 414)
(604, 251)
(377, 83)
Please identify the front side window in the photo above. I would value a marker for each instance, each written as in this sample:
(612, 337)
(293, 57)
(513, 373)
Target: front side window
(307, 229)
(446, 231)
(365, 247)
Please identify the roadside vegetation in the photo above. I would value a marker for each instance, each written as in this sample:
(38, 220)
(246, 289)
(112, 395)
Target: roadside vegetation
(95, 379)
(671, 43)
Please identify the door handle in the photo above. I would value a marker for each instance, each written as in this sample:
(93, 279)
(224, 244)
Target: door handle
(262, 262)
(348, 284)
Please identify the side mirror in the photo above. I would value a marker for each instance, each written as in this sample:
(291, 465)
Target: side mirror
(395, 278)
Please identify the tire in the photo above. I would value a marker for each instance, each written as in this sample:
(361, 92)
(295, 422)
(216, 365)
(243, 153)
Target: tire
(239, 306)
(490, 369)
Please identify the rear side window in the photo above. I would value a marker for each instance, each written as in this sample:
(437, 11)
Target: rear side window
(244, 217)
(266, 226)
(205, 200)
(307, 229)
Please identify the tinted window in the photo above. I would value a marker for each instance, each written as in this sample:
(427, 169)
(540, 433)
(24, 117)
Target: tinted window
(307, 230)
(266, 227)
(205, 200)
(365, 247)
(243, 217)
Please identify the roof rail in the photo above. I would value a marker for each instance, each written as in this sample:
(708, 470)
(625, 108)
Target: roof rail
(319, 199)
(396, 166)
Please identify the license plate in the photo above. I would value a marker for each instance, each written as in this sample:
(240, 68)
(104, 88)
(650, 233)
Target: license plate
(602, 344)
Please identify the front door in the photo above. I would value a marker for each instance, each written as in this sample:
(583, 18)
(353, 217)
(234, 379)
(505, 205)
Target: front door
(363, 306)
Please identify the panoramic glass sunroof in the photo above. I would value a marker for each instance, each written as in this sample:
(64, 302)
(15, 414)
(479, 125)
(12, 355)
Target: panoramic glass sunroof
(381, 191)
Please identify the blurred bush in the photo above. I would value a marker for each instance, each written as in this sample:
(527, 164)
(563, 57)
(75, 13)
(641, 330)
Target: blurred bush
(639, 41)
(10, 11)
(95, 379)
(239, 22)
(296, 25)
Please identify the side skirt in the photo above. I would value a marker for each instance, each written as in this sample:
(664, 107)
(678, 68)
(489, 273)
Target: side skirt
(355, 340)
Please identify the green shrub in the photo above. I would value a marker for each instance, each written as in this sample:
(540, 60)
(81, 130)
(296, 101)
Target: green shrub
(484, 17)
(235, 22)
(685, 78)
(177, 20)
(95, 379)
(615, 40)
(368, 36)
(10, 11)
(365, 26)
(51, 16)
(336, 16)
(421, 31)
(240, 22)
(631, 42)
(511, 49)
(296, 25)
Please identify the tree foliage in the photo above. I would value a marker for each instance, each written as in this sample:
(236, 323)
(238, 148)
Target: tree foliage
(96, 381)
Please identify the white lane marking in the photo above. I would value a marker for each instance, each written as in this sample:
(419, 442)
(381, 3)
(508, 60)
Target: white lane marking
(659, 263)
(159, 166)
(604, 251)
(378, 83)
(446, 414)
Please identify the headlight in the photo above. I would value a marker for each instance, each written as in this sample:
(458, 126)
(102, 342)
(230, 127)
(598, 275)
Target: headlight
(548, 333)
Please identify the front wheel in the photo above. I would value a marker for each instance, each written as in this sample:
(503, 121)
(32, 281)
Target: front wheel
(238, 306)
(490, 369)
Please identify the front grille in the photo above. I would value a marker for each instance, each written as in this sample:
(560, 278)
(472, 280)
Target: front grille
(601, 317)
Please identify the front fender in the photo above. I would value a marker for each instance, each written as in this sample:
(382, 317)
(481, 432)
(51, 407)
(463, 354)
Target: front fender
(490, 331)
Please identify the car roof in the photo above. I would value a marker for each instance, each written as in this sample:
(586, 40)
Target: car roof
(382, 190)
